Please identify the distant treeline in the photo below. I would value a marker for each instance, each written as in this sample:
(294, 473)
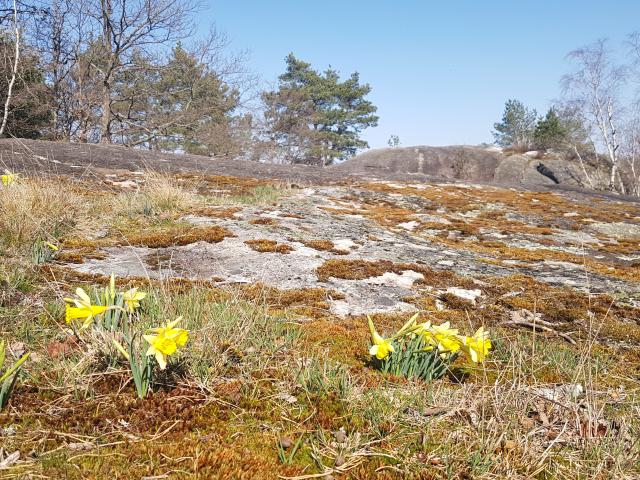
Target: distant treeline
(130, 72)
(596, 122)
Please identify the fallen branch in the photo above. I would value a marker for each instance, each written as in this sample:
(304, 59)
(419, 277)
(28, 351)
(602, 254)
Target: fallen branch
(539, 325)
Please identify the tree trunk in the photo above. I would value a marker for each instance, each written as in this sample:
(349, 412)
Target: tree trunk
(14, 71)
(105, 121)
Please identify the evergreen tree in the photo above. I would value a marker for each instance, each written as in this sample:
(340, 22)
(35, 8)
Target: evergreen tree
(317, 117)
(29, 112)
(517, 126)
(181, 105)
(550, 131)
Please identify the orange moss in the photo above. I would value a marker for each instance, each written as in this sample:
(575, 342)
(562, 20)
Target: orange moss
(207, 184)
(160, 431)
(506, 252)
(455, 302)
(292, 215)
(76, 250)
(349, 269)
(268, 246)
(62, 275)
(547, 205)
(353, 269)
(322, 245)
(177, 236)
(263, 221)
(307, 302)
(224, 213)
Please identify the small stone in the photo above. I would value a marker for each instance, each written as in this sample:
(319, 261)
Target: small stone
(17, 349)
(341, 436)
(410, 226)
(469, 295)
(286, 442)
(453, 235)
(339, 461)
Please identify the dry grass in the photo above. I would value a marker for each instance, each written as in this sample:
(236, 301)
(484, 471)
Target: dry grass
(159, 194)
(252, 378)
(32, 210)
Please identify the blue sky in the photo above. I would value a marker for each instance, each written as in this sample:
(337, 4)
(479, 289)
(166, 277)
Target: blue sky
(440, 71)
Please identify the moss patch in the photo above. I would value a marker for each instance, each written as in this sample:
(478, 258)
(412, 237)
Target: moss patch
(172, 237)
(268, 246)
(263, 221)
(321, 245)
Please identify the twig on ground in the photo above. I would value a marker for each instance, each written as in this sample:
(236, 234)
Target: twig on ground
(538, 325)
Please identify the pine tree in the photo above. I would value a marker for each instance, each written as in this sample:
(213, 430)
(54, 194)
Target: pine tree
(517, 126)
(181, 105)
(317, 117)
(550, 131)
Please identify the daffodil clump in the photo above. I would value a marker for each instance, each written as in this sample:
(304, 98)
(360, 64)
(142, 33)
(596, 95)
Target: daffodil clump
(425, 350)
(118, 312)
(110, 308)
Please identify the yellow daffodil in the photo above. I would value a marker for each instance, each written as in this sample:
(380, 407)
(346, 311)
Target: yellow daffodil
(180, 335)
(161, 347)
(83, 309)
(442, 337)
(166, 342)
(478, 346)
(422, 328)
(408, 327)
(381, 347)
(446, 338)
(132, 299)
(8, 178)
(86, 313)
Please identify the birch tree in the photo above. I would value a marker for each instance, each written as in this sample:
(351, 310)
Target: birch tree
(14, 69)
(594, 88)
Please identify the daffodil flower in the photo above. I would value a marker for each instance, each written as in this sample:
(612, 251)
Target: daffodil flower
(381, 348)
(132, 299)
(83, 309)
(161, 347)
(180, 335)
(8, 178)
(478, 346)
(446, 338)
(442, 337)
(166, 342)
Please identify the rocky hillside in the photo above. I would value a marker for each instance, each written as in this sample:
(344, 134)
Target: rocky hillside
(451, 164)
(273, 271)
(471, 164)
